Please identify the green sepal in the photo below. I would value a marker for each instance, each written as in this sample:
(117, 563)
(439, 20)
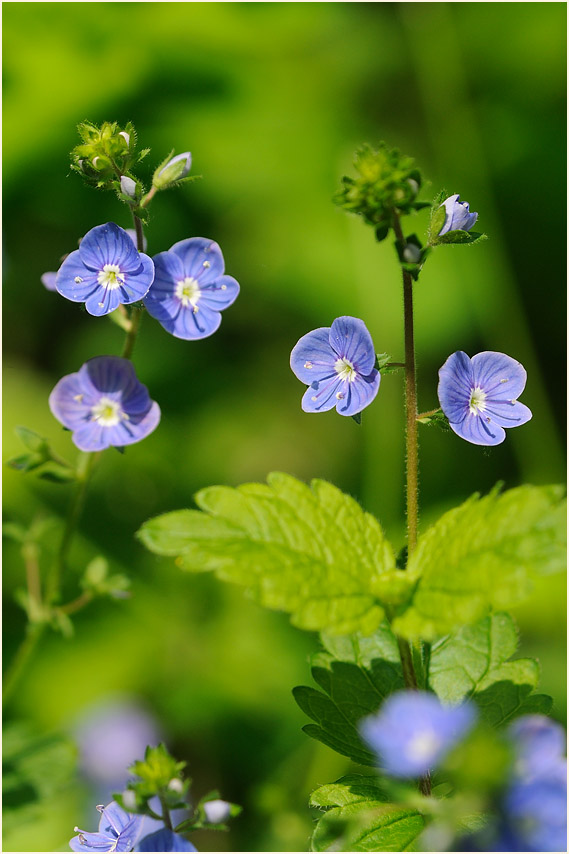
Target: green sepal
(57, 473)
(357, 417)
(157, 769)
(26, 462)
(96, 580)
(381, 232)
(462, 237)
(436, 419)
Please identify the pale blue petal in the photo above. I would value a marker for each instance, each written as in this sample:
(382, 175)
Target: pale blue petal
(201, 258)
(219, 294)
(165, 840)
(73, 268)
(507, 414)
(350, 339)
(499, 376)
(320, 397)
(108, 244)
(93, 842)
(478, 430)
(314, 349)
(64, 404)
(48, 281)
(103, 301)
(137, 283)
(456, 378)
(113, 817)
(358, 394)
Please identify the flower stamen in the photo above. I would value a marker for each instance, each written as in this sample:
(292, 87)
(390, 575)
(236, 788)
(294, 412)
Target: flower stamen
(345, 370)
(188, 292)
(110, 277)
(477, 402)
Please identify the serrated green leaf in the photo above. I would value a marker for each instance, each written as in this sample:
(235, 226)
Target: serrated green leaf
(358, 819)
(309, 551)
(474, 663)
(353, 688)
(483, 555)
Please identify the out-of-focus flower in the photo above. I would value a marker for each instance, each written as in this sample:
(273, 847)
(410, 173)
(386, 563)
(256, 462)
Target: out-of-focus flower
(128, 186)
(118, 831)
(537, 811)
(48, 281)
(217, 811)
(539, 745)
(104, 405)
(413, 731)
(106, 271)
(479, 396)
(458, 216)
(338, 364)
(190, 289)
(111, 737)
(165, 840)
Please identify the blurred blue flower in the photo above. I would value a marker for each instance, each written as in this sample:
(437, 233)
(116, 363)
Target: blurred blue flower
(190, 290)
(48, 281)
(537, 811)
(338, 364)
(118, 831)
(413, 731)
(217, 811)
(104, 405)
(106, 271)
(478, 395)
(165, 840)
(539, 745)
(458, 216)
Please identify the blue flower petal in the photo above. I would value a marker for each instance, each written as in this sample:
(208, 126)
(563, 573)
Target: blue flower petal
(313, 349)
(498, 375)
(192, 325)
(350, 339)
(92, 842)
(48, 281)
(201, 258)
(109, 244)
(74, 269)
(479, 429)
(219, 294)
(507, 413)
(165, 840)
(138, 282)
(358, 394)
(103, 301)
(456, 379)
(320, 397)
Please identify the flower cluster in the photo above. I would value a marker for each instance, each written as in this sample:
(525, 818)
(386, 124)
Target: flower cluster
(123, 831)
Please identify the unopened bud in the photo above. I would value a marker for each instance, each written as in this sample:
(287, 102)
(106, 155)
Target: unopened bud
(217, 811)
(128, 186)
(414, 185)
(176, 785)
(176, 169)
(126, 137)
(412, 254)
(129, 799)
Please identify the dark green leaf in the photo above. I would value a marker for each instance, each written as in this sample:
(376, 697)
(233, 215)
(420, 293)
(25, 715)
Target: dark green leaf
(463, 237)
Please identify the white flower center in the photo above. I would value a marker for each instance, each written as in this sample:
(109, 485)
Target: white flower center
(111, 277)
(345, 370)
(477, 398)
(423, 746)
(188, 292)
(108, 412)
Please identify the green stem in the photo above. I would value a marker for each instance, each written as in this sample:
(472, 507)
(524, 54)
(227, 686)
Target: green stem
(34, 631)
(428, 414)
(165, 813)
(136, 319)
(76, 604)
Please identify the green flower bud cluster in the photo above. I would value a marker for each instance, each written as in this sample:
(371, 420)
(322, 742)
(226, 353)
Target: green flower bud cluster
(388, 181)
(105, 153)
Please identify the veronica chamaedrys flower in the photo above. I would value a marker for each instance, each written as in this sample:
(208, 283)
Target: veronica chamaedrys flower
(338, 364)
(479, 395)
(48, 281)
(165, 840)
(190, 288)
(458, 216)
(104, 405)
(413, 731)
(539, 745)
(118, 831)
(106, 271)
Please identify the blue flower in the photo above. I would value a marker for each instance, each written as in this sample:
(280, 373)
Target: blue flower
(165, 840)
(413, 731)
(104, 405)
(190, 290)
(537, 811)
(539, 745)
(48, 281)
(338, 364)
(458, 216)
(478, 395)
(106, 271)
(118, 831)
(217, 811)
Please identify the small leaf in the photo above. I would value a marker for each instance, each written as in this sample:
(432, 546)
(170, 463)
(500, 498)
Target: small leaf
(358, 819)
(26, 462)
(33, 441)
(56, 473)
(311, 552)
(483, 555)
(13, 531)
(460, 236)
(474, 663)
(357, 417)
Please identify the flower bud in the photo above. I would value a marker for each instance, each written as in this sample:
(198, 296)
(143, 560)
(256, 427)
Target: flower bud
(457, 215)
(129, 799)
(176, 785)
(176, 169)
(217, 811)
(128, 186)
(126, 137)
(412, 254)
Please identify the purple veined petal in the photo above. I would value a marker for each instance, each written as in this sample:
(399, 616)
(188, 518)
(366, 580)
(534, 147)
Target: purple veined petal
(134, 430)
(469, 221)
(137, 283)
(506, 413)
(498, 375)
(74, 280)
(313, 349)
(201, 258)
(456, 380)
(165, 840)
(350, 339)
(108, 375)
(166, 311)
(67, 402)
(358, 394)
(449, 206)
(321, 396)
(219, 294)
(478, 430)
(191, 325)
(48, 281)
(103, 301)
(91, 437)
(113, 817)
(109, 244)
(93, 842)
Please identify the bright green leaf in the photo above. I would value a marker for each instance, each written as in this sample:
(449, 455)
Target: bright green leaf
(309, 551)
(483, 555)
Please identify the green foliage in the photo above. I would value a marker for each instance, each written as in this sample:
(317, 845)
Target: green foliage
(97, 580)
(388, 181)
(105, 153)
(483, 554)
(463, 237)
(473, 662)
(309, 551)
(159, 775)
(358, 819)
(436, 419)
(41, 459)
(356, 674)
(35, 771)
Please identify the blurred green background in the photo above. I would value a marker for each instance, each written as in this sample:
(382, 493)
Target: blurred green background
(272, 99)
